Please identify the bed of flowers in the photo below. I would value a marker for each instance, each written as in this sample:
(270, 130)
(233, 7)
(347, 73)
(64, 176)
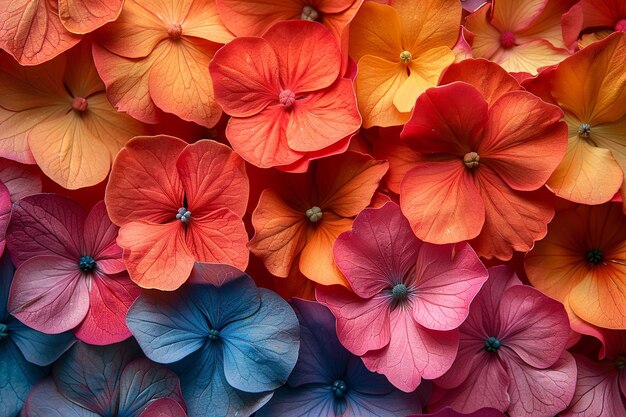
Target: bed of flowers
(312, 208)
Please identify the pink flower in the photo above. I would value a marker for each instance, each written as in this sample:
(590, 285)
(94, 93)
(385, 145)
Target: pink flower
(512, 354)
(409, 297)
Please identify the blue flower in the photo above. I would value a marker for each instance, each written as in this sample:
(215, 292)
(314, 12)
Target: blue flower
(24, 353)
(231, 343)
(329, 381)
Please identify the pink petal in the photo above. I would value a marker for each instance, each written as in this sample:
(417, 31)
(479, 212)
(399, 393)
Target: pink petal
(99, 238)
(380, 247)
(21, 180)
(49, 294)
(362, 324)
(448, 279)
(413, 352)
(541, 392)
(110, 297)
(5, 214)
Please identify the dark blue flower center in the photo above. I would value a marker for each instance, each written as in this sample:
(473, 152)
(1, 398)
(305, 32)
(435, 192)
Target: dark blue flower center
(620, 363)
(87, 263)
(594, 256)
(183, 215)
(400, 292)
(4, 331)
(492, 344)
(214, 334)
(339, 388)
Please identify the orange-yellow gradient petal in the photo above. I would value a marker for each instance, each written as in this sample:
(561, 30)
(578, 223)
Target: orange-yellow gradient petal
(84, 16)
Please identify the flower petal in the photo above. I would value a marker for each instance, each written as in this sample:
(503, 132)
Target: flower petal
(376, 31)
(305, 401)
(84, 16)
(514, 16)
(99, 241)
(253, 17)
(164, 407)
(204, 21)
(428, 24)
(20, 180)
(39, 348)
(45, 399)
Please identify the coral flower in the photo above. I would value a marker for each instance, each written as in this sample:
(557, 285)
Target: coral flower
(601, 18)
(34, 33)
(70, 273)
(57, 115)
(303, 215)
(153, 59)
(523, 36)
(512, 355)
(485, 150)
(177, 204)
(400, 52)
(409, 297)
(582, 263)
(288, 102)
(590, 87)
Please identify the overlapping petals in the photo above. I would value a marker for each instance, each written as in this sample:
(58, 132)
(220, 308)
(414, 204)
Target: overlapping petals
(231, 343)
(409, 297)
(70, 270)
(512, 353)
(177, 204)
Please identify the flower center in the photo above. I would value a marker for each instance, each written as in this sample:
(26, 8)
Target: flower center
(471, 159)
(339, 388)
(214, 334)
(406, 57)
(621, 26)
(584, 130)
(287, 98)
(620, 363)
(309, 13)
(183, 215)
(79, 104)
(87, 263)
(400, 292)
(174, 31)
(492, 344)
(507, 40)
(314, 214)
(4, 331)
(594, 256)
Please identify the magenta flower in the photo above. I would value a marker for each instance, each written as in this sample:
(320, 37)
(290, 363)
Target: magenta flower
(512, 355)
(70, 273)
(409, 297)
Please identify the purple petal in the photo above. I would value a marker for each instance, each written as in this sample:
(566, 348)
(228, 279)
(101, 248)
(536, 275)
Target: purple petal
(45, 400)
(307, 401)
(164, 407)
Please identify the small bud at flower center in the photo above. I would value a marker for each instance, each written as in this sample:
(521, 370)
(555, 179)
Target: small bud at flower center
(620, 363)
(339, 388)
(507, 40)
(174, 31)
(584, 130)
(214, 334)
(79, 104)
(287, 98)
(314, 214)
(594, 256)
(471, 159)
(400, 292)
(492, 345)
(621, 26)
(309, 13)
(406, 57)
(183, 215)
(4, 331)
(87, 263)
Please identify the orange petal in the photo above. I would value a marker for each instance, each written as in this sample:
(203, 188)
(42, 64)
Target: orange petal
(280, 233)
(401, 160)
(428, 24)
(254, 17)
(377, 83)
(295, 285)
(156, 255)
(376, 31)
(514, 16)
(530, 56)
(611, 136)
(203, 21)
(84, 16)
(316, 260)
(323, 118)
(15, 130)
(32, 31)
(514, 220)
(179, 83)
(550, 24)
(144, 182)
(441, 202)
(346, 183)
(486, 37)
(219, 236)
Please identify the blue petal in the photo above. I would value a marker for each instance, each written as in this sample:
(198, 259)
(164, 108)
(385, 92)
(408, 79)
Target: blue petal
(394, 404)
(89, 375)
(322, 359)
(143, 381)
(17, 376)
(365, 381)
(307, 401)
(206, 390)
(39, 348)
(170, 326)
(261, 351)
(233, 301)
(6, 277)
(46, 401)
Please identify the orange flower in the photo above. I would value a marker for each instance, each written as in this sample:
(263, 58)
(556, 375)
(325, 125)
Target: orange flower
(523, 36)
(305, 213)
(400, 52)
(57, 115)
(582, 263)
(590, 87)
(155, 56)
